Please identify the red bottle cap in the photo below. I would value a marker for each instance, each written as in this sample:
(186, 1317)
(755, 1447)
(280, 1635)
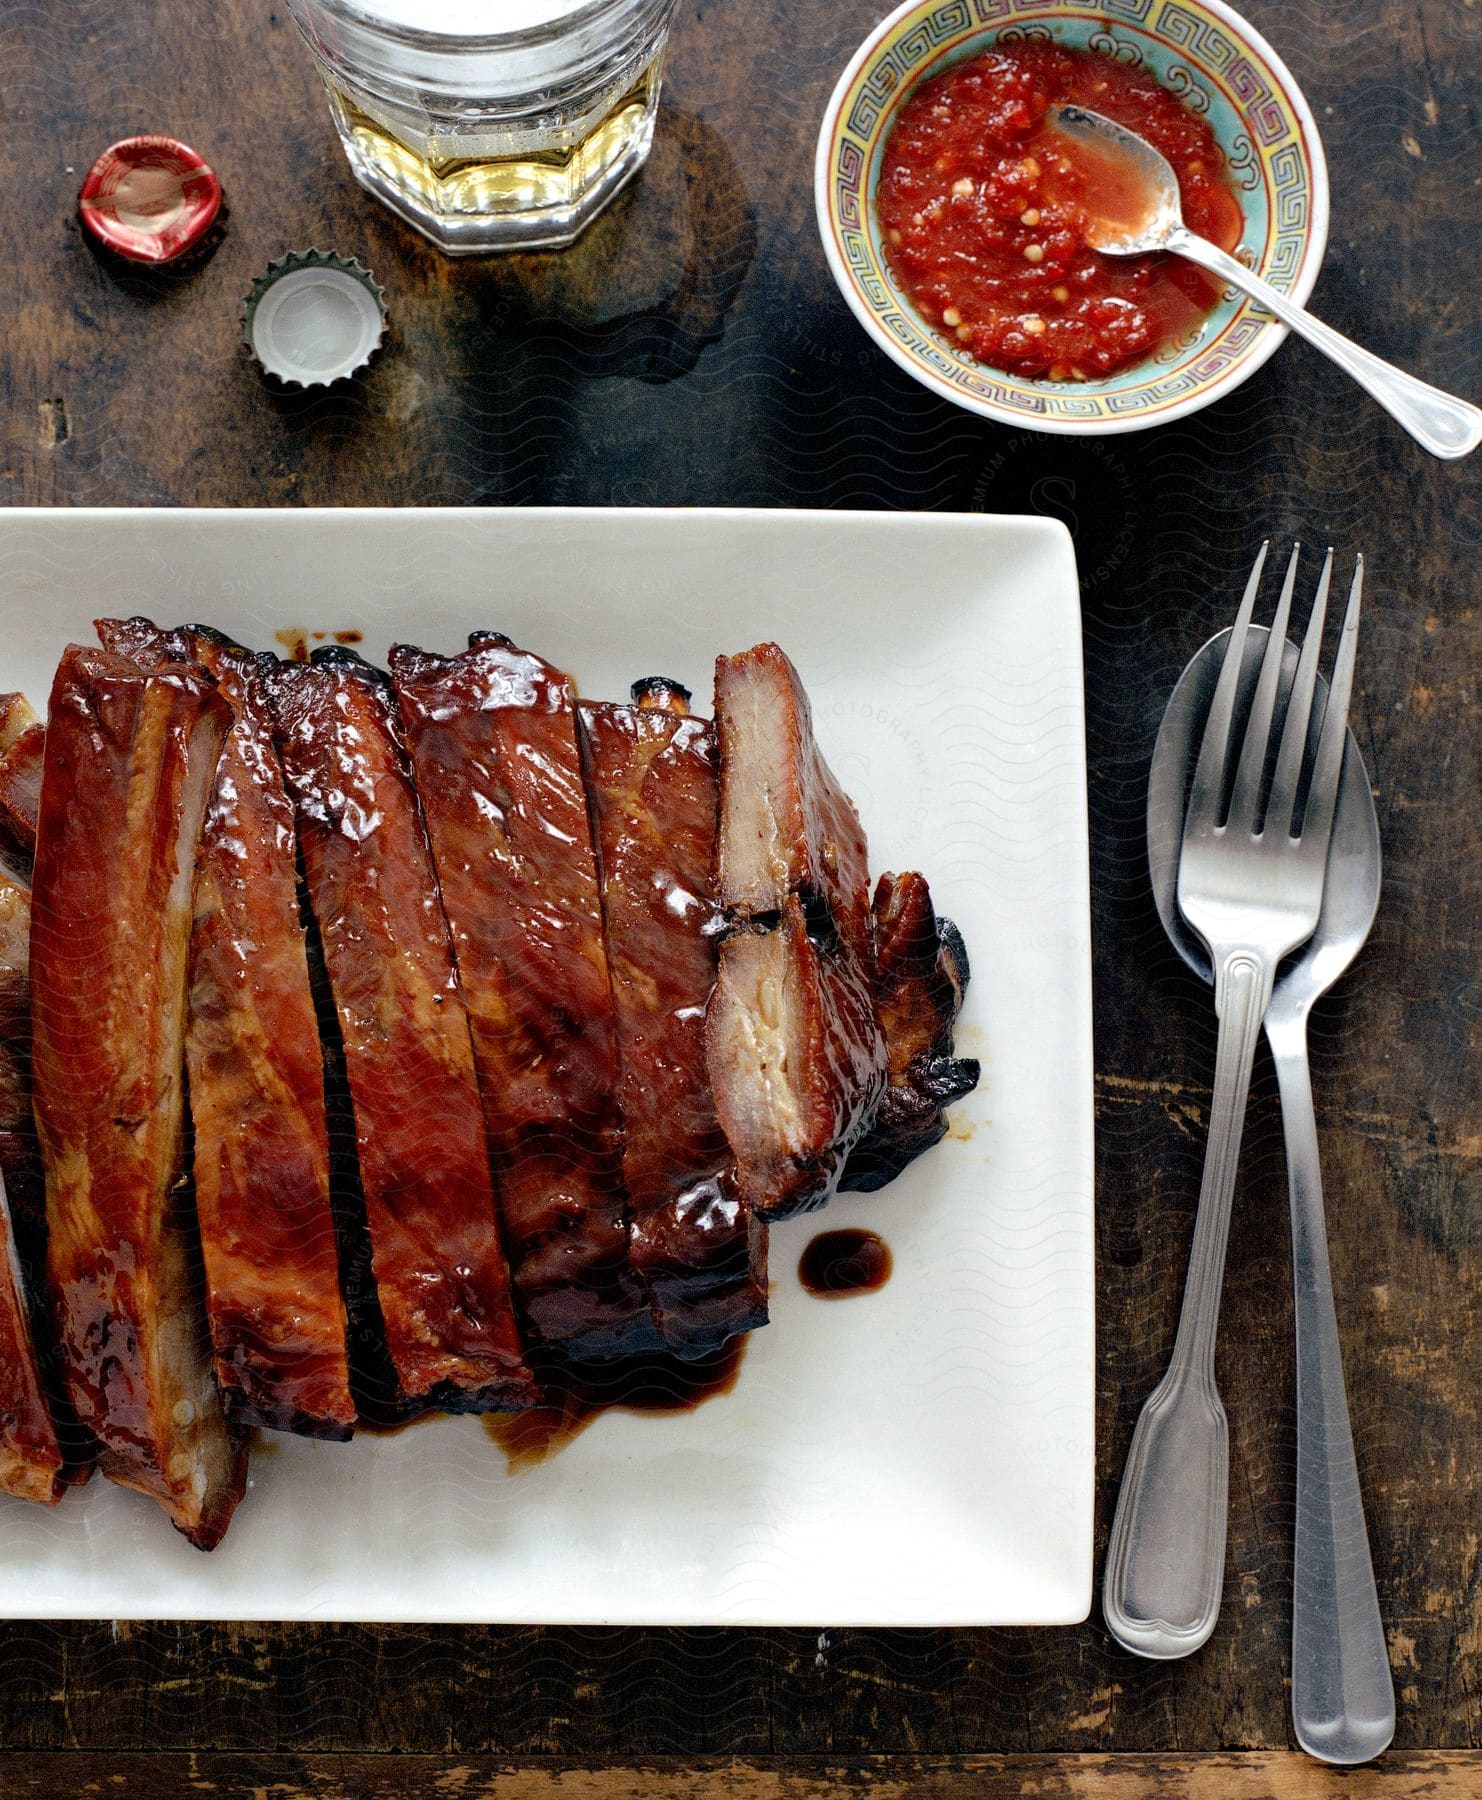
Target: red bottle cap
(149, 199)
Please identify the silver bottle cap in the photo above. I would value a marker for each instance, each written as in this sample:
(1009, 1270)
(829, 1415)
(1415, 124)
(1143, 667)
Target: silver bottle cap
(312, 318)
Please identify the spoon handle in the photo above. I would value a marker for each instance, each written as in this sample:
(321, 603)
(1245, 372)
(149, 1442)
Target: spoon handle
(1165, 1561)
(1446, 426)
(1343, 1700)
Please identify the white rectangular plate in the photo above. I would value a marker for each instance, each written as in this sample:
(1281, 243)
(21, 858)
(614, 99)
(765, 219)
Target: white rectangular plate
(918, 1456)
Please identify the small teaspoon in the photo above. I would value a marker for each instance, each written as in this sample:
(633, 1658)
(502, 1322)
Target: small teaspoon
(1444, 425)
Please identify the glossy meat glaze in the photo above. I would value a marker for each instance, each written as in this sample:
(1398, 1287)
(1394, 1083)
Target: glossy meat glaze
(31, 1459)
(652, 780)
(436, 1248)
(18, 721)
(605, 981)
(921, 976)
(492, 735)
(261, 1157)
(794, 1046)
(20, 787)
(129, 764)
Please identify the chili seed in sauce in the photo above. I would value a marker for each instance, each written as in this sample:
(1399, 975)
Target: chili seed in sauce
(983, 211)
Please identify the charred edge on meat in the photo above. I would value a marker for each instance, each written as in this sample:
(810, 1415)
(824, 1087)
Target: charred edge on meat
(921, 978)
(342, 656)
(661, 693)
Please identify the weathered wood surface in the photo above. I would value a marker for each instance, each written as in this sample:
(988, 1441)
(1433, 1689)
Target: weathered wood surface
(1237, 1775)
(692, 349)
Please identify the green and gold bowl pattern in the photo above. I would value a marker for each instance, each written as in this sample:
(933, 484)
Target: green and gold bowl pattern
(1199, 49)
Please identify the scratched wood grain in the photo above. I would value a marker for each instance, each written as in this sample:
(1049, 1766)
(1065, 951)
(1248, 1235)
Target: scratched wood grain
(692, 349)
(1237, 1775)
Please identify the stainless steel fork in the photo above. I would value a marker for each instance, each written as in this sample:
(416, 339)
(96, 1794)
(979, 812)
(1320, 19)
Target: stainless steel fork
(1250, 882)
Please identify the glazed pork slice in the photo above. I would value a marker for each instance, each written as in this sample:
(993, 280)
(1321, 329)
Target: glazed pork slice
(792, 1032)
(31, 1462)
(921, 976)
(31, 1458)
(130, 759)
(20, 1155)
(492, 734)
(16, 715)
(652, 783)
(20, 785)
(22, 745)
(439, 1264)
(15, 960)
(261, 1157)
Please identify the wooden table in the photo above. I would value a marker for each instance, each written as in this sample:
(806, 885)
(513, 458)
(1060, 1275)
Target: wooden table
(692, 349)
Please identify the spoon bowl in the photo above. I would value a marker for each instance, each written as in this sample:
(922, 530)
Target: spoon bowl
(1443, 424)
(1138, 167)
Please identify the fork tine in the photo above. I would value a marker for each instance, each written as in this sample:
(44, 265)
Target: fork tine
(1298, 714)
(1246, 794)
(1204, 793)
(1322, 798)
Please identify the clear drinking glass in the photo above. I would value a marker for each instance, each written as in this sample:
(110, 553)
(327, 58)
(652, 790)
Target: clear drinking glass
(491, 124)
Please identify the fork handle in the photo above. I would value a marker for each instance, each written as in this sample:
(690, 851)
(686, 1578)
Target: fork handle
(1343, 1698)
(1165, 1562)
(1442, 423)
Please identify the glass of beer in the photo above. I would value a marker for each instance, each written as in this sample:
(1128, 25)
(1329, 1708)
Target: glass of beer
(491, 124)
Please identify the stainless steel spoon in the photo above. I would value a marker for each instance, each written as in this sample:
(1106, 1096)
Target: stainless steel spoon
(1342, 1695)
(1446, 426)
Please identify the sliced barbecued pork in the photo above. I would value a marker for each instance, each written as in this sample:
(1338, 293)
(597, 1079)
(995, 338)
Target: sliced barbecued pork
(20, 1155)
(652, 783)
(130, 760)
(921, 975)
(22, 744)
(492, 734)
(16, 715)
(792, 1031)
(31, 1462)
(15, 959)
(439, 1264)
(20, 787)
(252, 1049)
(31, 1458)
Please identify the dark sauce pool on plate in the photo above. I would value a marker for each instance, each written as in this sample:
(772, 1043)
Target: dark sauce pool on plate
(643, 1384)
(577, 1395)
(839, 1263)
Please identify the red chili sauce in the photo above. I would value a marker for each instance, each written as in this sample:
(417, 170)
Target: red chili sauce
(983, 207)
